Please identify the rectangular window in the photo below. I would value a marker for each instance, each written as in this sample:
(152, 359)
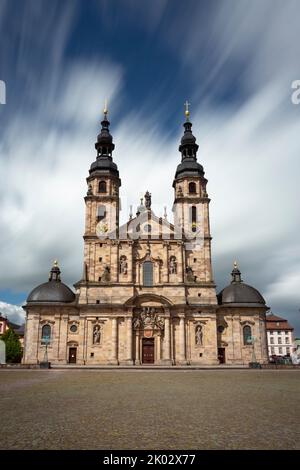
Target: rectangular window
(280, 350)
(288, 350)
(279, 341)
(272, 340)
(287, 340)
(272, 350)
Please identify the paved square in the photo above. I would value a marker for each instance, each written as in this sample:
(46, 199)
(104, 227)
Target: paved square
(82, 409)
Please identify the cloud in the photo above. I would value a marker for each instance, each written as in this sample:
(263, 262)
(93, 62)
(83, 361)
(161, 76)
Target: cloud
(14, 313)
(238, 60)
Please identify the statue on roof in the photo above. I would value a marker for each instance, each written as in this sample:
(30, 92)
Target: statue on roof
(148, 200)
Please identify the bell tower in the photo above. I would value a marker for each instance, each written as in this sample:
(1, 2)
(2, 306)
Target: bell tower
(102, 203)
(191, 208)
(102, 199)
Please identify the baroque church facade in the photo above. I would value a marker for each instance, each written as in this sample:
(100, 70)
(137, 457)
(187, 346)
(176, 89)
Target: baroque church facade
(147, 294)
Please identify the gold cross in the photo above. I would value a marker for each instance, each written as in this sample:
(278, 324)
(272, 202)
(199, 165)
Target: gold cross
(187, 111)
(105, 110)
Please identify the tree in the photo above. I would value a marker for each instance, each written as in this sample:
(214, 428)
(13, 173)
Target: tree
(13, 346)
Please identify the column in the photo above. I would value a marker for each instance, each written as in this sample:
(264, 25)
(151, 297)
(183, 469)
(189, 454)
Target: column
(130, 262)
(137, 348)
(167, 342)
(114, 341)
(182, 357)
(165, 263)
(180, 265)
(158, 349)
(129, 340)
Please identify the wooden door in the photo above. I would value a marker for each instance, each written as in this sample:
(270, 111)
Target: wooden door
(72, 355)
(148, 351)
(221, 355)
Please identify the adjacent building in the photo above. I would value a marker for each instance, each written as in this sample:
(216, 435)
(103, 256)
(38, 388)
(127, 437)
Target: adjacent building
(147, 294)
(279, 336)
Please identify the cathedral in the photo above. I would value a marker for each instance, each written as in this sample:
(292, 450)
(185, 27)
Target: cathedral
(147, 294)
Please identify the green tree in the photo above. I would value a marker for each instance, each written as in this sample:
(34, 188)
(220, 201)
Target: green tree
(13, 346)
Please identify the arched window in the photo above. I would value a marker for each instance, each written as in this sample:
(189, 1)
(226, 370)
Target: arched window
(46, 334)
(148, 274)
(101, 212)
(102, 187)
(194, 218)
(247, 335)
(192, 188)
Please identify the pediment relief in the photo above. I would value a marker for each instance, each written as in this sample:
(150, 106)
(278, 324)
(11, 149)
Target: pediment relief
(148, 318)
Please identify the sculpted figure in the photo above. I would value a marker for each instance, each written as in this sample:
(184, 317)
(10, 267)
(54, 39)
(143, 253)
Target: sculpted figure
(198, 335)
(96, 334)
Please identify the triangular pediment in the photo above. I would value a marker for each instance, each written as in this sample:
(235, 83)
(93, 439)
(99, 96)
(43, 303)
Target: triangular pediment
(147, 225)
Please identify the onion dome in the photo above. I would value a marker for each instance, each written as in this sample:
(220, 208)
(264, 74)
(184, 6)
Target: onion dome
(188, 149)
(104, 163)
(240, 293)
(52, 291)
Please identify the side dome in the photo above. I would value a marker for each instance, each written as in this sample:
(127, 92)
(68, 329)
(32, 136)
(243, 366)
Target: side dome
(52, 291)
(239, 293)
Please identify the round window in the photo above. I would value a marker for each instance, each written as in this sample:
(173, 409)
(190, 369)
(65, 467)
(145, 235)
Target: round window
(221, 328)
(73, 328)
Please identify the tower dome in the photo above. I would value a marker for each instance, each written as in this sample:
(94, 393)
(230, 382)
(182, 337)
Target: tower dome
(240, 293)
(104, 164)
(52, 291)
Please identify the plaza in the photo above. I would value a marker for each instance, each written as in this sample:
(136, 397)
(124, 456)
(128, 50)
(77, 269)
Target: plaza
(153, 409)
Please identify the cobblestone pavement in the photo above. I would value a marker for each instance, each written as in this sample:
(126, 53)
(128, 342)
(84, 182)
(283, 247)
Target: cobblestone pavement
(81, 409)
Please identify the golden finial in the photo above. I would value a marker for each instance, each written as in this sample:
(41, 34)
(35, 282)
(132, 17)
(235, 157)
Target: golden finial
(187, 111)
(55, 264)
(235, 265)
(105, 110)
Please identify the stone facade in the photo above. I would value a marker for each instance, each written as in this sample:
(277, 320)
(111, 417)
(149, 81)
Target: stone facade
(147, 293)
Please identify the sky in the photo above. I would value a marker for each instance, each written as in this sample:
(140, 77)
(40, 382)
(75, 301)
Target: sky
(233, 60)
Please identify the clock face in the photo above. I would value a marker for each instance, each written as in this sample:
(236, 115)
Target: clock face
(102, 229)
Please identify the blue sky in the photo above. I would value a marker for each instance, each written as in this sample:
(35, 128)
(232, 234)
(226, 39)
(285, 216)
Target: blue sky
(233, 60)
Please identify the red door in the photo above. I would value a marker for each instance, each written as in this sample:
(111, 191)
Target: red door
(148, 351)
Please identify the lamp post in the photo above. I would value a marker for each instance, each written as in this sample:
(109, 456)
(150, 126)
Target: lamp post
(45, 363)
(254, 364)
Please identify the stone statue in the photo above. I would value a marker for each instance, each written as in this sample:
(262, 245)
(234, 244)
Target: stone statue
(189, 274)
(90, 190)
(148, 200)
(96, 334)
(106, 274)
(115, 190)
(179, 192)
(172, 265)
(123, 265)
(136, 323)
(198, 335)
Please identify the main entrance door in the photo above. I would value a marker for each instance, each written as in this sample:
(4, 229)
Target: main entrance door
(72, 355)
(148, 351)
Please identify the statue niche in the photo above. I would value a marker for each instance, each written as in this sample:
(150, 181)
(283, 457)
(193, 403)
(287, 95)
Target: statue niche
(106, 274)
(190, 275)
(172, 265)
(198, 335)
(96, 334)
(123, 265)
